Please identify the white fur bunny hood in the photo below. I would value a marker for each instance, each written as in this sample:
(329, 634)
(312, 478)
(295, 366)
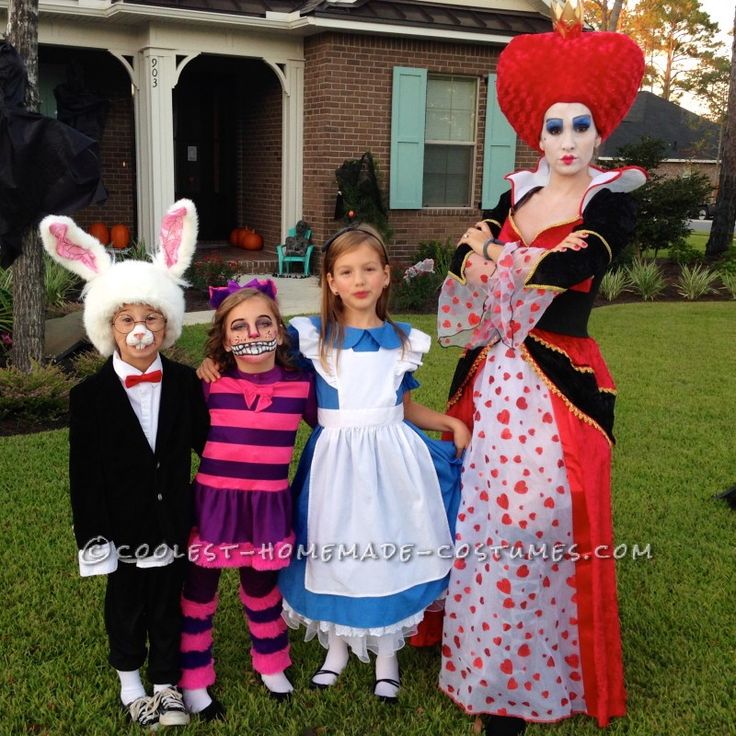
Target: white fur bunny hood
(110, 285)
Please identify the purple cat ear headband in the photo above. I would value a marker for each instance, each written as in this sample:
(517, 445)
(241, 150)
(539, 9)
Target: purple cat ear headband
(218, 294)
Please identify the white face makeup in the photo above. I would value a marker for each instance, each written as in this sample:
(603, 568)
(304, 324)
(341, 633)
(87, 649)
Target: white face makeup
(138, 330)
(252, 335)
(568, 138)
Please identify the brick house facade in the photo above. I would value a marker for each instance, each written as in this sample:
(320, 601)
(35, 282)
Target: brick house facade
(248, 108)
(348, 112)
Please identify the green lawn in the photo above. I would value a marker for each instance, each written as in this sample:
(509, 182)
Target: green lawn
(674, 364)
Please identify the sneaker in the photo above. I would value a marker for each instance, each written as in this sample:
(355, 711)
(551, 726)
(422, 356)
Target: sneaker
(169, 706)
(143, 712)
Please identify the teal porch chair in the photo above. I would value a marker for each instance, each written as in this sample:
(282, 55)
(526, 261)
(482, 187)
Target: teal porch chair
(285, 260)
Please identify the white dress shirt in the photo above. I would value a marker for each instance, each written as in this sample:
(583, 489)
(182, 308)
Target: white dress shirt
(145, 399)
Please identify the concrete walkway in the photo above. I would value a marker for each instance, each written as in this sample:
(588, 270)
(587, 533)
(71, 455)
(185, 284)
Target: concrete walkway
(296, 296)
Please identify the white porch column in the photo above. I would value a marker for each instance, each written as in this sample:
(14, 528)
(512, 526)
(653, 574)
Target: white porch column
(292, 137)
(155, 138)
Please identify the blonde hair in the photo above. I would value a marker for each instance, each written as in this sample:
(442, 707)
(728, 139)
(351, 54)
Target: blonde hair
(332, 327)
(215, 345)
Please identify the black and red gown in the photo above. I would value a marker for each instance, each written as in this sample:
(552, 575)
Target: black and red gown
(531, 624)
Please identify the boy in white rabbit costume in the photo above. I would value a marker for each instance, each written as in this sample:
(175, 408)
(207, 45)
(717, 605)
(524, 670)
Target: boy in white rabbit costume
(132, 427)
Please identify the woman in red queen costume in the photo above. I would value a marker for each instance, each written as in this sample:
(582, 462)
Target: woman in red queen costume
(531, 628)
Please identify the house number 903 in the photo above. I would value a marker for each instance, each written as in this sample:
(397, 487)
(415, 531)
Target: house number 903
(154, 72)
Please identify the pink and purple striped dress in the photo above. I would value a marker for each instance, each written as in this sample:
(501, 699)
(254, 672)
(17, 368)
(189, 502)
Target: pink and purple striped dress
(243, 507)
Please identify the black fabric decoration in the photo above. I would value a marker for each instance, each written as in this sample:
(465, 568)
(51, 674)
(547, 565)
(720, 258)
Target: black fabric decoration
(80, 107)
(45, 166)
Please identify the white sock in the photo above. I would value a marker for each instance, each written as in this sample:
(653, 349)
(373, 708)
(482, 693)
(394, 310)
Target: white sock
(196, 699)
(387, 667)
(277, 683)
(131, 687)
(159, 688)
(335, 661)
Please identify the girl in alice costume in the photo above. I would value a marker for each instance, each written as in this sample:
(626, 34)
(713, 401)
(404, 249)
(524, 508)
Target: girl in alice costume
(372, 492)
(528, 636)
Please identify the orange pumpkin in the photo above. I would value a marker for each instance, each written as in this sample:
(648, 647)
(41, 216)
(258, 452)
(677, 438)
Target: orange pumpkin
(100, 231)
(251, 240)
(234, 236)
(120, 236)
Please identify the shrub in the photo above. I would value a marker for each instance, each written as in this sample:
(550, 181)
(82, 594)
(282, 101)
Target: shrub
(211, 272)
(42, 394)
(695, 282)
(683, 253)
(726, 263)
(646, 278)
(60, 284)
(614, 283)
(417, 294)
(441, 253)
(179, 354)
(136, 252)
(728, 278)
(87, 363)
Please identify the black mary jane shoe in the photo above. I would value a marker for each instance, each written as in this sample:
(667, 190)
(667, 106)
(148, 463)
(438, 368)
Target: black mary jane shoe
(279, 697)
(389, 699)
(321, 685)
(215, 711)
(504, 726)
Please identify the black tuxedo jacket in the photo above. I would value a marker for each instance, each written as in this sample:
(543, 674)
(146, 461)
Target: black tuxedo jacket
(121, 490)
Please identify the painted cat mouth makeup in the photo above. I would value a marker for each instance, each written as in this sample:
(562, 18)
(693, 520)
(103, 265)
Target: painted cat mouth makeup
(259, 347)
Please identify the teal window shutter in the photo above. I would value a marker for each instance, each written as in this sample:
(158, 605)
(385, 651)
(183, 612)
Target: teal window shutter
(408, 109)
(499, 150)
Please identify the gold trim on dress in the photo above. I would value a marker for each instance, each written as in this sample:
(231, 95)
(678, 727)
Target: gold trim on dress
(493, 222)
(543, 230)
(602, 239)
(480, 358)
(460, 278)
(546, 287)
(556, 391)
(581, 369)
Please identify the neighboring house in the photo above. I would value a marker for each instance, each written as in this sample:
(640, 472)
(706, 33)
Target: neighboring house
(693, 142)
(249, 106)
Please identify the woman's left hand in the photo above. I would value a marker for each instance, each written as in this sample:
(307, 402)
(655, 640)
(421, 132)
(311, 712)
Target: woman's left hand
(573, 241)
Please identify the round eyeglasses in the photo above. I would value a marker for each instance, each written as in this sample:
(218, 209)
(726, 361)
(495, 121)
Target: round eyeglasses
(125, 323)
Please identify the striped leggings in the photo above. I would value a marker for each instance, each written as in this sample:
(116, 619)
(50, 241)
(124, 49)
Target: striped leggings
(261, 600)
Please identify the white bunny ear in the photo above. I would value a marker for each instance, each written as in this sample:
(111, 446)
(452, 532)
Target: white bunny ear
(73, 248)
(178, 238)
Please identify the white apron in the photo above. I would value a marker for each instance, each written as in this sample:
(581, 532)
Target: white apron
(373, 488)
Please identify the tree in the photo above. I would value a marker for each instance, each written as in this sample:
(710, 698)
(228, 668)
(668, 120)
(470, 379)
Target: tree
(673, 35)
(603, 17)
(28, 269)
(721, 232)
(709, 82)
(664, 202)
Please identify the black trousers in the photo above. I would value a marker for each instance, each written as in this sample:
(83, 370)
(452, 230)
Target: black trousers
(143, 617)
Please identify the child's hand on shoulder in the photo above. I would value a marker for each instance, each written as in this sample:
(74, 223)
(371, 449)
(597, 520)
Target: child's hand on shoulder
(208, 371)
(460, 434)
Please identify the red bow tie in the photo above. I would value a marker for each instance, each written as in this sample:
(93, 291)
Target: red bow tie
(152, 377)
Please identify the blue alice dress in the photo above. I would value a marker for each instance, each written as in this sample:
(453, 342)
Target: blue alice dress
(375, 498)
